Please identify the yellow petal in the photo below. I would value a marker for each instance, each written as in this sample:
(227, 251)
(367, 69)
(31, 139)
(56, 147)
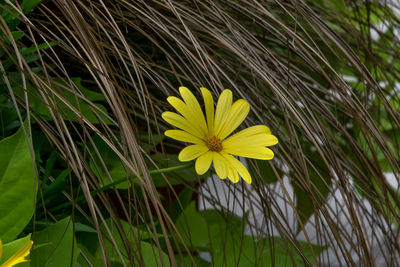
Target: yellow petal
(19, 256)
(1, 249)
(181, 123)
(192, 152)
(203, 162)
(264, 139)
(182, 108)
(247, 134)
(253, 130)
(232, 174)
(237, 114)
(220, 165)
(223, 107)
(178, 104)
(253, 140)
(230, 169)
(209, 107)
(243, 172)
(254, 152)
(183, 136)
(188, 114)
(194, 108)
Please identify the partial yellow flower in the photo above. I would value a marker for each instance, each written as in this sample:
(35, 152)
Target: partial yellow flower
(209, 134)
(18, 257)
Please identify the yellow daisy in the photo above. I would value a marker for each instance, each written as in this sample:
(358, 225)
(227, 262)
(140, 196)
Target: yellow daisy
(18, 257)
(209, 135)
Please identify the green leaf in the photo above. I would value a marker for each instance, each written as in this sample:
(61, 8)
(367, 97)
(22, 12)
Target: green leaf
(187, 261)
(177, 173)
(230, 247)
(266, 171)
(112, 162)
(74, 100)
(287, 254)
(184, 199)
(81, 105)
(147, 252)
(9, 120)
(27, 6)
(192, 227)
(376, 151)
(17, 185)
(12, 17)
(151, 257)
(88, 256)
(58, 246)
(390, 211)
(16, 35)
(13, 247)
(181, 176)
(52, 192)
(319, 184)
(79, 227)
(29, 53)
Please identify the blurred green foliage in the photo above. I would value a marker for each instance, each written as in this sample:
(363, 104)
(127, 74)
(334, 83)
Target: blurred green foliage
(66, 240)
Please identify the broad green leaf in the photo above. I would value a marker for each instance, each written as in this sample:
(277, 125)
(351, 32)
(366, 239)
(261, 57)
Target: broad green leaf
(13, 247)
(52, 194)
(9, 120)
(80, 104)
(29, 53)
(184, 199)
(167, 160)
(319, 183)
(17, 185)
(147, 251)
(118, 172)
(16, 35)
(79, 227)
(390, 211)
(27, 6)
(192, 227)
(151, 257)
(230, 247)
(376, 151)
(74, 100)
(143, 234)
(49, 166)
(188, 261)
(182, 176)
(56, 246)
(89, 257)
(88, 242)
(112, 162)
(266, 171)
(12, 18)
(287, 254)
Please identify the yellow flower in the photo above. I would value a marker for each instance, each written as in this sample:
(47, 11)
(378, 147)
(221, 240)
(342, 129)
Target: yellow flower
(18, 257)
(209, 134)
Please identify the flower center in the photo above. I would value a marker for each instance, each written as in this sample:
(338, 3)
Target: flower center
(214, 144)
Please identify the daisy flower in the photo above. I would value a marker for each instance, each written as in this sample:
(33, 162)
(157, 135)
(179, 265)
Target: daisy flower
(209, 135)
